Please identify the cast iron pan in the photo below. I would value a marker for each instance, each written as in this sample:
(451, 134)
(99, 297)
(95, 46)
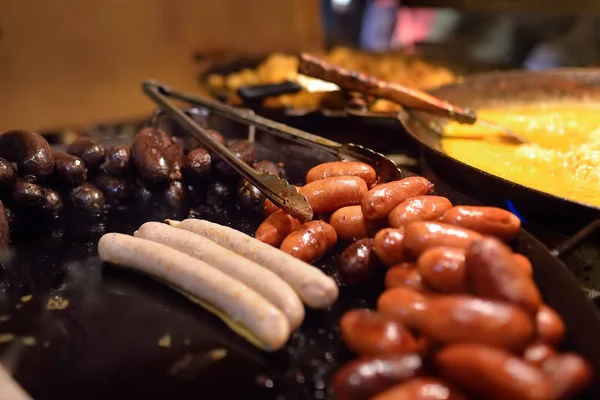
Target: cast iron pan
(105, 343)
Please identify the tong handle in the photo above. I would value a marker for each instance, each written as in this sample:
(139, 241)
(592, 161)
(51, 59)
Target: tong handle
(402, 95)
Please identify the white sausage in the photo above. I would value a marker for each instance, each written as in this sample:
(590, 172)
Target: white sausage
(236, 301)
(263, 281)
(315, 288)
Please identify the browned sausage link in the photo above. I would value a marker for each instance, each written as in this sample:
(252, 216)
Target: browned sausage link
(117, 160)
(379, 201)
(174, 153)
(420, 236)
(68, 170)
(569, 374)
(90, 151)
(537, 353)
(276, 228)
(198, 163)
(4, 228)
(310, 241)
(389, 246)
(53, 202)
(492, 272)
(115, 188)
(420, 208)
(485, 220)
(342, 168)
(349, 223)
(358, 263)
(367, 376)
(405, 274)
(403, 303)
(8, 174)
(30, 151)
(370, 333)
(28, 194)
(492, 373)
(149, 156)
(87, 198)
(549, 326)
(328, 195)
(421, 389)
(523, 263)
(443, 269)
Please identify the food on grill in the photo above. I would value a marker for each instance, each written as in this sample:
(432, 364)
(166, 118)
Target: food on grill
(68, 170)
(310, 241)
(30, 151)
(4, 228)
(89, 150)
(117, 160)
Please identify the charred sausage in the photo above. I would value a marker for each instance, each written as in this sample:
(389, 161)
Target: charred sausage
(8, 175)
(28, 194)
(30, 151)
(87, 198)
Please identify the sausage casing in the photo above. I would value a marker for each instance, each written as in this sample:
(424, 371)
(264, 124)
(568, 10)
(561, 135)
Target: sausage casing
(421, 389)
(117, 160)
(89, 150)
(30, 151)
(419, 208)
(310, 241)
(420, 236)
(389, 246)
(4, 228)
(405, 274)
(382, 199)
(358, 262)
(568, 374)
(149, 156)
(276, 227)
(549, 326)
(443, 269)
(8, 174)
(68, 170)
(342, 168)
(327, 195)
(349, 223)
(485, 220)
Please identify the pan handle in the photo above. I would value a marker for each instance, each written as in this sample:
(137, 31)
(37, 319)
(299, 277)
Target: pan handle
(572, 243)
(257, 93)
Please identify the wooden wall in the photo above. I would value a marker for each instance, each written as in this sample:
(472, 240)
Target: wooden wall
(70, 63)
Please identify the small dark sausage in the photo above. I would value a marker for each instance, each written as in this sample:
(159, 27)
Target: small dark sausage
(4, 228)
(8, 174)
(443, 269)
(389, 246)
(68, 170)
(492, 272)
(421, 389)
(349, 223)
(53, 202)
(537, 353)
(90, 151)
(368, 333)
(87, 198)
(405, 274)
(420, 236)
(117, 160)
(269, 166)
(310, 241)
(149, 156)
(367, 376)
(569, 374)
(328, 195)
(419, 208)
(485, 220)
(175, 195)
(174, 154)
(276, 228)
(382, 199)
(358, 263)
(115, 188)
(30, 151)
(198, 164)
(342, 168)
(549, 326)
(28, 194)
(249, 196)
(242, 149)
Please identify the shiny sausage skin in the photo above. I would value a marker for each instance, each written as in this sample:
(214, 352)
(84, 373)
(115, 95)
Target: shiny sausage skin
(175, 195)
(549, 326)
(492, 272)
(115, 188)
(357, 264)
(310, 241)
(403, 303)
(68, 170)
(523, 263)
(420, 236)
(198, 163)
(53, 202)
(537, 353)
(328, 195)
(117, 160)
(249, 197)
(8, 174)
(342, 168)
(443, 269)
(90, 151)
(492, 373)
(174, 153)
(276, 228)
(421, 389)
(87, 198)
(420, 208)
(28, 194)
(30, 151)
(569, 374)
(362, 378)
(369, 333)
(485, 220)
(389, 246)
(150, 158)
(4, 228)
(382, 199)
(406, 275)
(349, 223)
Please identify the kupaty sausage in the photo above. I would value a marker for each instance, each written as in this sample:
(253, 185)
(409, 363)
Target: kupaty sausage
(4, 228)
(117, 160)
(327, 195)
(310, 241)
(87, 198)
(89, 150)
(52, 203)
(492, 373)
(403, 303)
(30, 151)
(174, 153)
(523, 263)
(276, 228)
(443, 269)
(115, 188)
(68, 170)
(420, 236)
(28, 194)
(8, 175)
(492, 272)
(358, 263)
(149, 156)
(389, 246)
(485, 220)
(537, 353)
(349, 223)
(420, 208)
(342, 168)
(569, 374)
(198, 163)
(421, 389)
(549, 326)
(405, 274)
(378, 202)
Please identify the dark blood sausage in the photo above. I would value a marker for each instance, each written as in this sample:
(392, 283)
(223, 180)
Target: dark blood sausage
(198, 164)
(28, 194)
(4, 228)
(30, 151)
(383, 198)
(117, 160)
(90, 151)
(149, 156)
(8, 174)
(175, 194)
(249, 196)
(115, 188)
(358, 263)
(68, 170)
(174, 153)
(53, 202)
(269, 166)
(242, 149)
(87, 198)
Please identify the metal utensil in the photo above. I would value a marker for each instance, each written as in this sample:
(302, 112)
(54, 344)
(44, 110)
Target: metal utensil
(386, 169)
(278, 190)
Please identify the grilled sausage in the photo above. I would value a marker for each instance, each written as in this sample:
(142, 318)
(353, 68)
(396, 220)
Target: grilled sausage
(407, 275)
(117, 160)
(8, 175)
(249, 197)
(420, 208)
(358, 263)
(87, 198)
(269, 207)
(420, 236)
(68, 170)
(52, 203)
(310, 241)
(175, 195)
(378, 202)
(492, 373)
(198, 163)
(342, 168)
(4, 228)
(256, 277)
(30, 151)
(328, 195)
(406, 304)
(28, 194)
(269, 166)
(485, 220)
(90, 151)
(568, 374)
(443, 268)
(549, 326)
(421, 389)
(523, 263)
(276, 228)
(174, 153)
(149, 156)
(349, 223)
(492, 272)
(537, 353)
(389, 246)
(115, 188)
(236, 301)
(316, 289)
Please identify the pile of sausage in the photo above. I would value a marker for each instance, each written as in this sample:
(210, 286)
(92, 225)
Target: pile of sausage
(461, 316)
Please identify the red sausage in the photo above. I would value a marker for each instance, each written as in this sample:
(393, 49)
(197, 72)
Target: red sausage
(276, 228)
(379, 201)
(342, 168)
(420, 208)
(310, 241)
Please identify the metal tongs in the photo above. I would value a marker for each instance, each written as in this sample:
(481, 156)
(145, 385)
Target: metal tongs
(278, 190)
